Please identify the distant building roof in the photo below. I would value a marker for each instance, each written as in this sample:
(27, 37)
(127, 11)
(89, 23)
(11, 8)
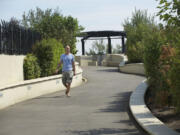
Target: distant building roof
(107, 33)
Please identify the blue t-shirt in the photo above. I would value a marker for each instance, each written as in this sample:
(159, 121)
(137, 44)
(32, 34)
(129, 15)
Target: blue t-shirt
(67, 61)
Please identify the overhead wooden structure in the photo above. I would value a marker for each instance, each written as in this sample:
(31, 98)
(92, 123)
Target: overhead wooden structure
(100, 34)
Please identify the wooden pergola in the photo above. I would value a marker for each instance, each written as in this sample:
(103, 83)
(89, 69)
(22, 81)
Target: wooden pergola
(101, 34)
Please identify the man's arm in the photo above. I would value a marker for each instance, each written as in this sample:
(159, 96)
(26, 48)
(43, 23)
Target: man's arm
(74, 67)
(57, 69)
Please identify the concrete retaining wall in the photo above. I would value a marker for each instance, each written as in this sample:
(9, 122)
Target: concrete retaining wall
(138, 108)
(135, 68)
(113, 60)
(11, 69)
(83, 60)
(143, 115)
(98, 60)
(24, 90)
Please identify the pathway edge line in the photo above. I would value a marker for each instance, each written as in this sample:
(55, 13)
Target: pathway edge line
(143, 115)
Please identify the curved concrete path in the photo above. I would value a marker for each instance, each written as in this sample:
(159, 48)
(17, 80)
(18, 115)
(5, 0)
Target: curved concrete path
(98, 107)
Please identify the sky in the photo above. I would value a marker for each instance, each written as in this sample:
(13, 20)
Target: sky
(93, 15)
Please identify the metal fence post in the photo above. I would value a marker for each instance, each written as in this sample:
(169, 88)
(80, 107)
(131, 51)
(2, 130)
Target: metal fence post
(11, 39)
(32, 40)
(19, 41)
(26, 42)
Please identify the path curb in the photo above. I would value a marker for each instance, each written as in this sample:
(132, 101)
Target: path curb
(143, 115)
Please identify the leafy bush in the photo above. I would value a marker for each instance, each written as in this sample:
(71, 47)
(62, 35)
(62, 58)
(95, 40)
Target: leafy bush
(159, 73)
(169, 13)
(162, 66)
(155, 46)
(31, 67)
(165, 62)
(135, 52)
(137, 28)
(175, 80)
(152, 54)
(48, 53)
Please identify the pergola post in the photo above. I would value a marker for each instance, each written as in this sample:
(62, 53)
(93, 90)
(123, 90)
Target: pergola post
(83, 48)
(109, 46)
(123, 45)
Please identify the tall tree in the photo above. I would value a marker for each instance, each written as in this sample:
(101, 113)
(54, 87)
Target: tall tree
(117, 49)
(136, 28)
(97, 48)
(52, 24)
(169, 11)
(34, 17)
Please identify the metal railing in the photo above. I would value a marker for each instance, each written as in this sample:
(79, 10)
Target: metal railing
(15, 39)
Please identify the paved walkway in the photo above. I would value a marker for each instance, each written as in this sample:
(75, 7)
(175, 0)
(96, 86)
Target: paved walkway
(98, 107)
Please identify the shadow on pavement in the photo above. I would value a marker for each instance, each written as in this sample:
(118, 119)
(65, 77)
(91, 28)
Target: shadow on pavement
(108, 70)
(119, 105)
(45, 97)
(109, 131)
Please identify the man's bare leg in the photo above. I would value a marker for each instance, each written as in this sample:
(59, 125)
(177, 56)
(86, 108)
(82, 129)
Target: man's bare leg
(68, 89)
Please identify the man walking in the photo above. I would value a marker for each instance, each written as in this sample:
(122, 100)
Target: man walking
(68, 62)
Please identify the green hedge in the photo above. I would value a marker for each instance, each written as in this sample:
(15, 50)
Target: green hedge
(152, 54)
(31, 67)
(175, 80)
(48, 53)
(136, 29)
(154, 45)
(135, 52)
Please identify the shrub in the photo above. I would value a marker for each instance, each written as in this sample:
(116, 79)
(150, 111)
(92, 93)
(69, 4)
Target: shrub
(169, 13)
(151, 56)
(31, 67)
(137, 28)
(175, 80)
(165, 62)
(48, 53)
(153, 68)
(162, 66)
(158, 70)
(135, 52)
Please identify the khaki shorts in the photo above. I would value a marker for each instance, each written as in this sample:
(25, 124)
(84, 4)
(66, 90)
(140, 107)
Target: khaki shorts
(67, 77)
